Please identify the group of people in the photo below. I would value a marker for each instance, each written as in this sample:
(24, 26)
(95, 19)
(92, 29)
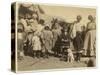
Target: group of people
(69, 41)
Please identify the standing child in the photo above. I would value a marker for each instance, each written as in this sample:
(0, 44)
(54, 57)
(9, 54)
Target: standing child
(65, 46)
(36, 45)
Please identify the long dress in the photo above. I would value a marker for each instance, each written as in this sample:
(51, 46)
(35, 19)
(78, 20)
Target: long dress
(65, 41)
(20, 44)
(36, 44)
(20, 36)
(56, 35)
(90, 40)
(20, 41)
(47, 38)
(56, 40)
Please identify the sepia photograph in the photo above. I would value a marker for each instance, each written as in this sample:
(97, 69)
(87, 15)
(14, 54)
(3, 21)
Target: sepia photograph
(48, 37)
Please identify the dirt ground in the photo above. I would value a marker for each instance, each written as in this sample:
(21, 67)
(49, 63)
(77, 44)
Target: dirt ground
(30, 63)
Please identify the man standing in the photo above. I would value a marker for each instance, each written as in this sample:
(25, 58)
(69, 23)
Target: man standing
(76, 26)
(76, 36)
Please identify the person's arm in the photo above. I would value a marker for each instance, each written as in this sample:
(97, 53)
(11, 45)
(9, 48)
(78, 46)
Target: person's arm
(88, 27)
(73, 30)
(41, 37)
(81, 42)
(51, 35)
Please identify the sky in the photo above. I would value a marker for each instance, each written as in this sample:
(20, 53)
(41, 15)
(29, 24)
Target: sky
(69, 13)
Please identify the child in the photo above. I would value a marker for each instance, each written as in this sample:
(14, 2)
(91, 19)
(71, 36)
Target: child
(65, 45)
(36, 45)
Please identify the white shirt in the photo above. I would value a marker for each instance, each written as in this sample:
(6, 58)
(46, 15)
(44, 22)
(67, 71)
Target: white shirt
(76, 27)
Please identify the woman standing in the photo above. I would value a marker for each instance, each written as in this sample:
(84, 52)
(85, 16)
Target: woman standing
(46, 37)
(90, 38)
(56, 39)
